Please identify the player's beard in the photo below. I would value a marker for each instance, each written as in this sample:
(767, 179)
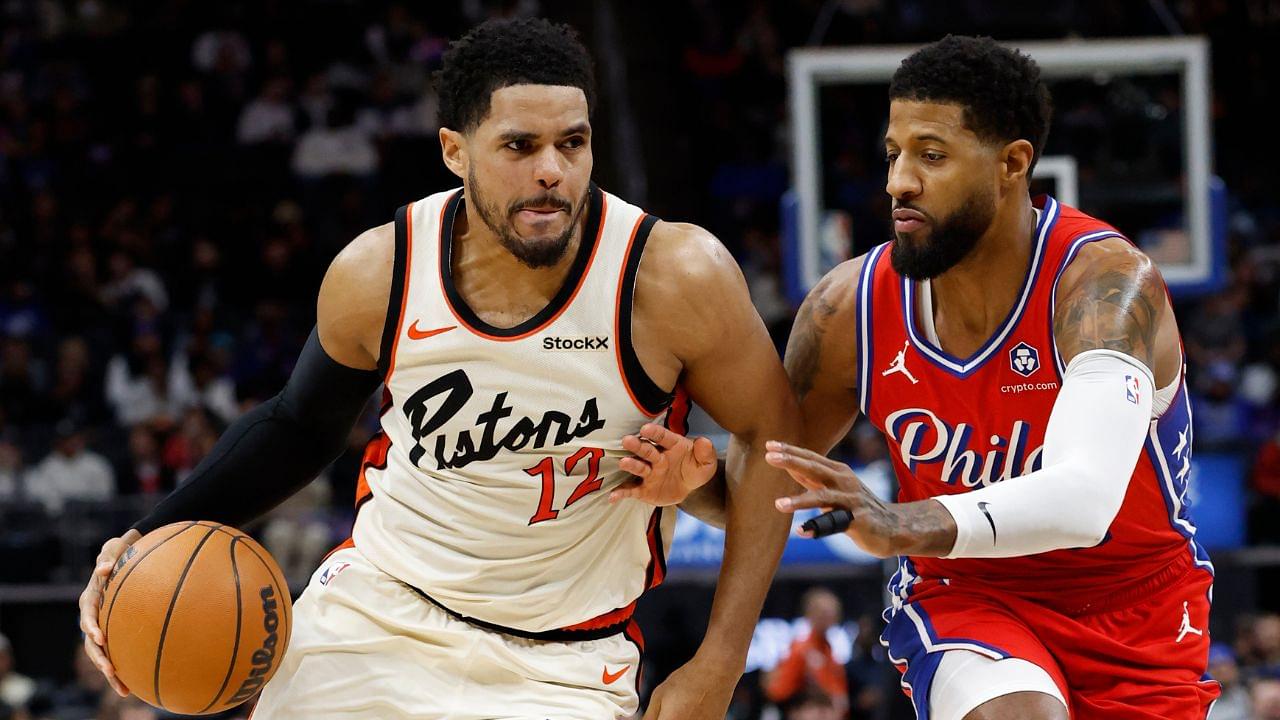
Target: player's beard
(949, 241)
(539, 253)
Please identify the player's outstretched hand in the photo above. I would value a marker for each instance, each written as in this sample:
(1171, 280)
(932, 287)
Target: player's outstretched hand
(830, 484)
(91, 602)
(667, 465)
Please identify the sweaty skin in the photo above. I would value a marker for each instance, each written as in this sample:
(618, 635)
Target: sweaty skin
(693, 321)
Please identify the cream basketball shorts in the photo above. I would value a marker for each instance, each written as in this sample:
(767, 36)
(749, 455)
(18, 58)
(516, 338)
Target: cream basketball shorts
(365, 645)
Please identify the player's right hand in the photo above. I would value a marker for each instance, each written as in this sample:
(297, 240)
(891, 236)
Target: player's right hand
(667, 465)
(91, 602)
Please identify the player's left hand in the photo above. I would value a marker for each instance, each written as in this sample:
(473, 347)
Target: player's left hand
(830, 485)
(698, 690)
(667, 465)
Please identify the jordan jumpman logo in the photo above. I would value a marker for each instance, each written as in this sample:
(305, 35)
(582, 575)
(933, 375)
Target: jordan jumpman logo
(1186, 625)
(899, 365)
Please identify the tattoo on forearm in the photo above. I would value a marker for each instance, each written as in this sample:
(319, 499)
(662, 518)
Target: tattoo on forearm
(1115, 308)
(922, 528)
(804, 350)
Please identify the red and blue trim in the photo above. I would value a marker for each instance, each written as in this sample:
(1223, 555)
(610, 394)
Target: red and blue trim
(864, 335)
(965, 367)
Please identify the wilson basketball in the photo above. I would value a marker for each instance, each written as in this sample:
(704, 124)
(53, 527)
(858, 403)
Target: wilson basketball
(196, 617)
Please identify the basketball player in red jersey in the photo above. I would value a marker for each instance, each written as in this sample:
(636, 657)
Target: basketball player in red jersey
(522, 326)
(1023, 362)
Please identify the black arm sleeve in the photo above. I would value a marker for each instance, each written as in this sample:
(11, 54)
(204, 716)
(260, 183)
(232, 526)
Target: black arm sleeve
(275, 449)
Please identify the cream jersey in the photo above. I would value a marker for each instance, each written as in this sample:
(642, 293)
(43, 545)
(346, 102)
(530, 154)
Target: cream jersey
(487, 489)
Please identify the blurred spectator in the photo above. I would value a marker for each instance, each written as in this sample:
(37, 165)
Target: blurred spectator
(338, 147)
(1258, 644)
(1215, 333)
(21, 382)
(127, 282)
(115, 707)
(810, 664)
(1221, 417)
(81, 697)
(1234, 702)
(192, 441)
(1266, 700)
(1265, 479)
(16, 689)
(144, 471)
(138, 383)
(297, 534)
(70, 472)
(198, 382)
(12, 487)
(74, 392)
(268, 117)
(813, 705)
(865, 670)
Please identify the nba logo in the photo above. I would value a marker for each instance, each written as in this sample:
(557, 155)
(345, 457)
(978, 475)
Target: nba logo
(332, 571)
(1024, 359)
(1131, 389)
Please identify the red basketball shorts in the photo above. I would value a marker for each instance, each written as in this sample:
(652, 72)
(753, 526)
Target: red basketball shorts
(1139, 654)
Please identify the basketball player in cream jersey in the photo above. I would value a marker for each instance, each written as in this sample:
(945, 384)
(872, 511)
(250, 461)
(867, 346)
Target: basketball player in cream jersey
(523, 326)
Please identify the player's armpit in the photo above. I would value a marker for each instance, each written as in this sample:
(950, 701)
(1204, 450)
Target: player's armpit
(1111, 297)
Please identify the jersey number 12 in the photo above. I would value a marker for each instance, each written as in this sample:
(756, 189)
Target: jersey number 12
(546, 469)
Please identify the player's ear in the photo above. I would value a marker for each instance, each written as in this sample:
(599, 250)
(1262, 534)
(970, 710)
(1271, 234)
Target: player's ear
(1015, 160)
(453, 149)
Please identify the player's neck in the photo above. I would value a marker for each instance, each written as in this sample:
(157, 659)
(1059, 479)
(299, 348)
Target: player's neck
(493, 280)
(972, 299)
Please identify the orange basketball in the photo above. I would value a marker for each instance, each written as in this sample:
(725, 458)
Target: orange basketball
(196, 617)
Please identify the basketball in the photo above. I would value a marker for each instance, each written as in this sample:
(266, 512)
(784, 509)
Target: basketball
(196, 617)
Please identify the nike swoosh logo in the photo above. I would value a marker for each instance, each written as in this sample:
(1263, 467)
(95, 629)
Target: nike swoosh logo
(416, 334)
(982, 505)
(609, 678)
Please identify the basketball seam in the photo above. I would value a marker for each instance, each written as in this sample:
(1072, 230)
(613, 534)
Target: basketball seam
(278, 580)
(173, 602)
(279, 584)
(282, 592)
(106, 623)
(235, 645)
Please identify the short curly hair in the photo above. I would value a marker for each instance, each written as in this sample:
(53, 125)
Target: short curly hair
(1003, 96)
(499, 53)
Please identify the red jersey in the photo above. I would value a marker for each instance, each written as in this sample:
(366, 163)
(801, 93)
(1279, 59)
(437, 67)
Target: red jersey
(956, 424)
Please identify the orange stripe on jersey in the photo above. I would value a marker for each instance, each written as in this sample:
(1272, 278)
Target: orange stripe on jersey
(404, 293)
(632, 633)
(617, 323)
(613, 617)
(657, 570)
(581, 280)
(678, 414)
(375, 457)
(348, 543)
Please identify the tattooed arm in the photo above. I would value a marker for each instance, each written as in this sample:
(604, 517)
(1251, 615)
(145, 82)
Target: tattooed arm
(1115, 330)
(1111, 297)
(822, 364)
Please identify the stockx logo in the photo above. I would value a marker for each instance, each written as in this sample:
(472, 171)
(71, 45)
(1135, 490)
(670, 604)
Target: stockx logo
(598, 342)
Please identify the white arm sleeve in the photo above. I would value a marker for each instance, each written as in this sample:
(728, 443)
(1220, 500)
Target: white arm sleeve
(1095, 434)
